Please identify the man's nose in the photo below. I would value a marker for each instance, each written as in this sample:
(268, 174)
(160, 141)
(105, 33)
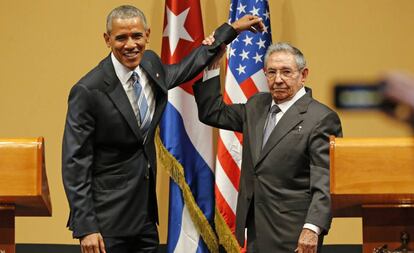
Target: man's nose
(278, 77)
(130, 43)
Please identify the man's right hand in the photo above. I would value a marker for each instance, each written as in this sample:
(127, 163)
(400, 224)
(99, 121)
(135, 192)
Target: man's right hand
(92, 243)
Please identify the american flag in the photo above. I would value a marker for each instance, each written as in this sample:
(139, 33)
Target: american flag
(244, 77)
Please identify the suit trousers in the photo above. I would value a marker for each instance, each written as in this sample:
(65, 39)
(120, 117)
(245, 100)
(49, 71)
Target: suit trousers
(145, 242)
(251, 230)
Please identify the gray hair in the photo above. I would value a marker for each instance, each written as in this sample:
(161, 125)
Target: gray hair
(125, 12)
(286, 47)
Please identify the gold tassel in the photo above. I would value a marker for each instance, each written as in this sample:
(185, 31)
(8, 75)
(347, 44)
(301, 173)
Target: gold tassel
(176, 171)
(226, 237)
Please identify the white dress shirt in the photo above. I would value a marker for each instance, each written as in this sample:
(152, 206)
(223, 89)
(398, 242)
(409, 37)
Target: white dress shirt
(287, 104)
(124, 75)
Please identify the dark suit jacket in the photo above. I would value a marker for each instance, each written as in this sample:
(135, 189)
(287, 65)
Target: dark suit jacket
(108, 170)
(289, 178)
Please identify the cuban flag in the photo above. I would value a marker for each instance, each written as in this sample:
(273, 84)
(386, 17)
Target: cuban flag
(186, 138)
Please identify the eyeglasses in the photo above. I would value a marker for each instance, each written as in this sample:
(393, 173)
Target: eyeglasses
(283, 73)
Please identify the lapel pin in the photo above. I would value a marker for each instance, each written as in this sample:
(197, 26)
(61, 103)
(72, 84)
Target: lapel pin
(157, 75)
(299, 128)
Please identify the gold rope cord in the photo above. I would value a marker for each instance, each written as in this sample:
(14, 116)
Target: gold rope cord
(225, 235)
(176, 171)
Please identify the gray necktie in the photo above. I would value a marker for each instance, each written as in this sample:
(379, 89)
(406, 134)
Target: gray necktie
(143, 110)
(270, 123)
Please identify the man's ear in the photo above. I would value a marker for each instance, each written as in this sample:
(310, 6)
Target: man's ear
(147, 34)
(304, 75)
(107, 38)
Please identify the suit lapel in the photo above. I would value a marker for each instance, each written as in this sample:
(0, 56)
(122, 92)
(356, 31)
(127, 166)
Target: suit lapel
(258, 122)
(117, 94)
(159, 89)
(292, 117)
(153, 73)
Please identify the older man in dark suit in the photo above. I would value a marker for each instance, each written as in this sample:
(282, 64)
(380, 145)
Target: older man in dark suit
(109, 160)
(284, 199)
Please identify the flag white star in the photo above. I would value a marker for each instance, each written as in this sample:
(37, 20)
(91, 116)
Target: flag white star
(244, 55)
(248, 40)
(261, 43)
(242, 8)
(231, 52)
(175, 29)
(266, 14)
(265, 29)
(255, 11)
(258, 57)
(240, 69)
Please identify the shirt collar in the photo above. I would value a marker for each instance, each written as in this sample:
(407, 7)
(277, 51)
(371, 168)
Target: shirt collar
(123, 73)
(287, 104)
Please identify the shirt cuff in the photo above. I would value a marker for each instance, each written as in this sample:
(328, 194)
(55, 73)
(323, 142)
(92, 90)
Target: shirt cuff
(312, 227)
(208, 74)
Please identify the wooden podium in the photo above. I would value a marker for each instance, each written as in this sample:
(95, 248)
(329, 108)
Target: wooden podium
(24, 189)
(373, 178)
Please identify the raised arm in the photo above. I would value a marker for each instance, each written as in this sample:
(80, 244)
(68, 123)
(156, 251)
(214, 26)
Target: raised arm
(202, 56)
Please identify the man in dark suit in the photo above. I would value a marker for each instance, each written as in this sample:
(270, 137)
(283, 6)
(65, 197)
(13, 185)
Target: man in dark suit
(109, 159)
(284, 199)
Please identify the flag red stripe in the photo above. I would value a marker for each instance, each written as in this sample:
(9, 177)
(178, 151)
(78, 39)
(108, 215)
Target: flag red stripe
(248, 87)
(240, 137)
(226, 99)
(231, 169)
(225, 210)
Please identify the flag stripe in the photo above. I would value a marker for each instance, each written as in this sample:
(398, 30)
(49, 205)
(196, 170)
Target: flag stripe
(183, 243)
(229, 193)
(260, 81)
(239, 137)
(225, 209)
(232, 89)
(184, 103)
(232, 143)
(232, 169)
(181, 147)
(174, 218)
(248, 87)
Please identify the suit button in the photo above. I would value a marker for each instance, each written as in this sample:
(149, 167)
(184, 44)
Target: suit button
(148, 166)
(146, 176)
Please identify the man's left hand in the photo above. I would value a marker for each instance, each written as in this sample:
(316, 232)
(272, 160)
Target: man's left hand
(308, 241)
(248, 22)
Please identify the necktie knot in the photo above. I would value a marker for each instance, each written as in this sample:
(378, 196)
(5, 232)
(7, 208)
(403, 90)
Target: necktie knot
(134, 77)
(274, 109)
(270, 123)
